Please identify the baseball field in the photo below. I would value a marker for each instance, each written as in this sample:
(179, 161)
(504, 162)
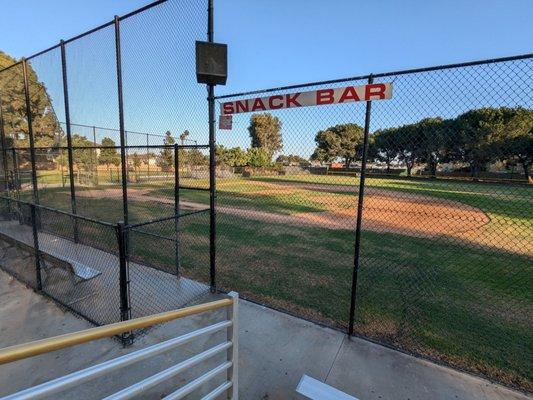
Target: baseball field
(446, 266)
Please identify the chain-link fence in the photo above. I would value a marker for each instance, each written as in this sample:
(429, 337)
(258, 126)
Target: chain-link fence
(405, 221)
(90, 211)
(443, 256)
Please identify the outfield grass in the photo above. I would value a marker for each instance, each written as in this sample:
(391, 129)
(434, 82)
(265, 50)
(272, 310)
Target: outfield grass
(467, 305)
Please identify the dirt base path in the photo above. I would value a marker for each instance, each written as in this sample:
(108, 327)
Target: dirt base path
(384, 211)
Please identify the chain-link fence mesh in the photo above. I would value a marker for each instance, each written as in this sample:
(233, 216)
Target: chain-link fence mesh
(446, 255)
(177, 253)
(17, 258)
(445, 260)
(67, 99)
(286, 232)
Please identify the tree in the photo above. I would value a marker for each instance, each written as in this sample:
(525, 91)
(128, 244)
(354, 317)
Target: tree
(258, 157)
(292, 159)
(435, 139)
(109, 155)
(340, 141)
(196, 157)
(237, 157)
(46, 128)
(481, 135)
(136, 164)
(84, 159)
(517, 145)
(265, 132)
(407, 139)
(182, 153)
(520, 150)
(221, 154)
(233, 157)
(166, 158)
(184, 136)
(385, 147)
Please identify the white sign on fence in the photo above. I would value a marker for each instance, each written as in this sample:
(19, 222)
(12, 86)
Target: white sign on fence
(372, 91)
(225, 122)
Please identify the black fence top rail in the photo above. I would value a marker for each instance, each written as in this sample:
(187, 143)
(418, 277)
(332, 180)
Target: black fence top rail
(142, 147)
(95, 29)
(118, 130)
(378, 75)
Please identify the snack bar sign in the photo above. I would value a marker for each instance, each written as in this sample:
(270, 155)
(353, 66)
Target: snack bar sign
(348, 94)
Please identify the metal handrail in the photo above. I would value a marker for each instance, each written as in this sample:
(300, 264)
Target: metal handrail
(230, 346)
(26, 350)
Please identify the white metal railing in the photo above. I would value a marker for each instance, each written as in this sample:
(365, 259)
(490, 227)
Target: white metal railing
(230, 346)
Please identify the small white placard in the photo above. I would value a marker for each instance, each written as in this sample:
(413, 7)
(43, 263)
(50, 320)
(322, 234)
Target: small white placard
(316, 390)
(225, 122)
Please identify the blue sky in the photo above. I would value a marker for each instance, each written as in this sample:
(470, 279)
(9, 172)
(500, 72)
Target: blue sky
(278, 42)
(271, 43)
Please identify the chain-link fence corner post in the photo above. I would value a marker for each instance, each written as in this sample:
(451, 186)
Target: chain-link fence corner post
(69, 140)
(212, 164)
(123, 161)
(124, 281)
(360, 201)
(35, 234)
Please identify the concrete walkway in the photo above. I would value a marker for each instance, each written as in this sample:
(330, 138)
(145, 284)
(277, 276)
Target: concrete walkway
(151, 290)
(275, 351)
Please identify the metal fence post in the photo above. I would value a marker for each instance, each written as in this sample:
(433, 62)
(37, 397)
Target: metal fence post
(35, 233)
(124, 281)
(121, 122)
(360, 201)
(177, 207)
(16, 179)
(212, 165)
(95, 156)
(69, 140)
(29, 118)
(3, 143)
(148, 156)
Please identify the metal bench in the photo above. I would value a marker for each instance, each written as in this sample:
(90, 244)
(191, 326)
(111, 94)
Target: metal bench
(52, 260)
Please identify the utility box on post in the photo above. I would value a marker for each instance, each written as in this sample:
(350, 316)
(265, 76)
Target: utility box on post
(211, 63)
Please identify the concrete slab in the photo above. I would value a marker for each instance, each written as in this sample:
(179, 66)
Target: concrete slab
(370, 371)
(275, 351)
(26, 316)
(151, 290)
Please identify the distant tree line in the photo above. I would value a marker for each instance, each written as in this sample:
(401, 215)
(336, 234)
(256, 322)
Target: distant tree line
(477, 138)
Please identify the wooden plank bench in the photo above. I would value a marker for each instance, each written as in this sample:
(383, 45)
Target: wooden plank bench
(53, 260)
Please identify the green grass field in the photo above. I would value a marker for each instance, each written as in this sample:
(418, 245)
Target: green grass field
(466, 302)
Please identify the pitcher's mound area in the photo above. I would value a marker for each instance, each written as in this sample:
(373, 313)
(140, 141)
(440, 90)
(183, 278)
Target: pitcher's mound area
(407, 214)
